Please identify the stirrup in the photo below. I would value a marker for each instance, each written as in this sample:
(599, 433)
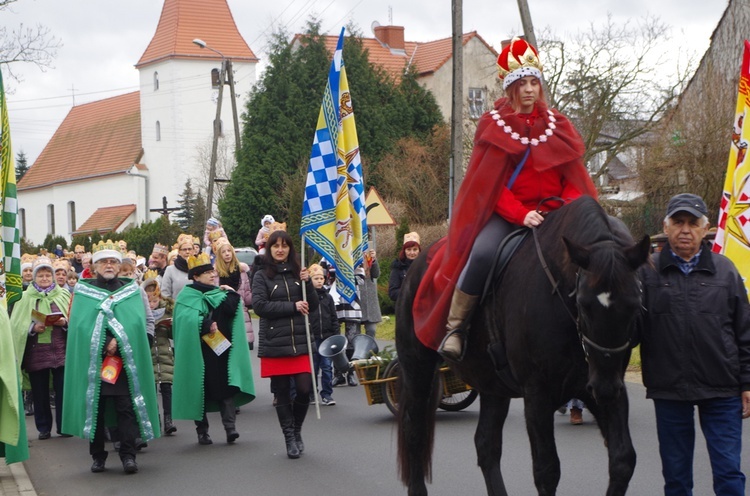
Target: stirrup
(463, 335)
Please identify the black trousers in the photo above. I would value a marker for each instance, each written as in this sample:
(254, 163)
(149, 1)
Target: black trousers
(127, 427)
(40, 396)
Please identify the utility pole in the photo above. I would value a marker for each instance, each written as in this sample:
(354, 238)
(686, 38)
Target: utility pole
(215, 145)
(233, 95)
(457, 108)
(528, 27)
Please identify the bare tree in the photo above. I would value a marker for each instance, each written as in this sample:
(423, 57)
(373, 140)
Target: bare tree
(26, 44)
(610, 80)
(225, 164)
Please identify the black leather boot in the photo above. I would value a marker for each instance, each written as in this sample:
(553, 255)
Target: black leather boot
(300, 412)
(166, 399)
(286, 421)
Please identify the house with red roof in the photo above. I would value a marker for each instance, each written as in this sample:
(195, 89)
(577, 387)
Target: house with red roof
(433, 61)
(111, 162)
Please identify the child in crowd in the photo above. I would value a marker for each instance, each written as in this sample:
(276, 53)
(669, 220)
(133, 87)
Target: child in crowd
(263, 233)
(323, 324)
(72, 279)
(127, 268)
(162, 351)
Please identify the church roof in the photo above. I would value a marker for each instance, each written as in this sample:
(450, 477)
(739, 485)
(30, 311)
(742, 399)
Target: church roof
(95, 139)
(182, 21)
(106, 219)
(427, 57)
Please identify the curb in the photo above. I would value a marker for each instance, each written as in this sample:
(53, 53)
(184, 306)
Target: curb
(14, 481)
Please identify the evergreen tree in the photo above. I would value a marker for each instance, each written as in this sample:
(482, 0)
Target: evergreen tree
(21, 165)
(282, 113)
(198, 225)
(185, 216)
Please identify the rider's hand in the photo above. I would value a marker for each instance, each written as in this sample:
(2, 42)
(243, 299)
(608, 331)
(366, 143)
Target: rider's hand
(533, 219)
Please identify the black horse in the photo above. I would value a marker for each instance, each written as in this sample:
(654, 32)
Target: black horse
(572, 342)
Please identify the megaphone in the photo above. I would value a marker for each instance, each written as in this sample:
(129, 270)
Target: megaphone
(334, 348)
(364, 347)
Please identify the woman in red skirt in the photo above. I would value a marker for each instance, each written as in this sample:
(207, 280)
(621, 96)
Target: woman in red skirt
(282, 341)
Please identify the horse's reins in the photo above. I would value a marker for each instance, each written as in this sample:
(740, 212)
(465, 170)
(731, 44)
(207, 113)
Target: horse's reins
(585, 340)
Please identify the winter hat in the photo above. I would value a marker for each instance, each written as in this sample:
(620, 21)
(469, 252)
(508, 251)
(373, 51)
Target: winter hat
(213, 222)
(267, 218)
(517, 60)
(42, 262)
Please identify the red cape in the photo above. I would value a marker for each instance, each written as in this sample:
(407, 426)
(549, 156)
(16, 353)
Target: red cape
(493, 159)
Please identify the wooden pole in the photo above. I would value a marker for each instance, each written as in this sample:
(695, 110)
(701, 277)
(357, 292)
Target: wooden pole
(215, 146)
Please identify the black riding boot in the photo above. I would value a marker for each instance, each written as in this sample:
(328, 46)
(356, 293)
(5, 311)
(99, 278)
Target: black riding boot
(228, 416)
(286, 421)
(300, 412)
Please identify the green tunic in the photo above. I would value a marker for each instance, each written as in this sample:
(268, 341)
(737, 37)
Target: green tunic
(94, 312)
(191, 307)
(34, 300)
(13, 443)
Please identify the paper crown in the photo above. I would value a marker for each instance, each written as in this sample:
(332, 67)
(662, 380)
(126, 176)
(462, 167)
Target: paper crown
(150, 274)
(197, 261)
(412, 236)
(184, 238)
(60, 265)
(42, 262)
(518, 59)
(217, 244)
(316, 269)
(196, 240)
(159, 248)
(106, 249)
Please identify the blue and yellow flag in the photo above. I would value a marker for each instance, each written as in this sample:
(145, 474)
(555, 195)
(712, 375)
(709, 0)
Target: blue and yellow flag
(733, 233)
(10, 271)
(334, 221)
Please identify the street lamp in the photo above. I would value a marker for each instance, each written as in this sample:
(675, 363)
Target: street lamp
(226, 73)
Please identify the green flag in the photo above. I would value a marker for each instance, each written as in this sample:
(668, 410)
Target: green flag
(10, 271)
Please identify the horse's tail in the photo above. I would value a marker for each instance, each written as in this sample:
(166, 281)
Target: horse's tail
(418, 396)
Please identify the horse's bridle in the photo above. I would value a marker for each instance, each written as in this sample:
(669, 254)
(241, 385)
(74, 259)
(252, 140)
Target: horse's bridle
(585, 340)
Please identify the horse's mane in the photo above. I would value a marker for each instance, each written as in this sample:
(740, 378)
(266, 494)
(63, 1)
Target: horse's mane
(586, 223)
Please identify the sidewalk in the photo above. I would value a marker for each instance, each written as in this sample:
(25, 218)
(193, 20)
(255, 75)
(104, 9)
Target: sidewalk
(14, 481)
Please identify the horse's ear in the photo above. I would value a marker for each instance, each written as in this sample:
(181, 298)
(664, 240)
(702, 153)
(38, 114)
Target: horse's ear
(639, 252)
(581, 256)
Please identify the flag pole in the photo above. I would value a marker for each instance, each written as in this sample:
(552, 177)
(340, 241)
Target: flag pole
(307, 333)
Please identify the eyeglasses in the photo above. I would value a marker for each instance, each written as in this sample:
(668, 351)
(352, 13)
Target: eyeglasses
(108, 261)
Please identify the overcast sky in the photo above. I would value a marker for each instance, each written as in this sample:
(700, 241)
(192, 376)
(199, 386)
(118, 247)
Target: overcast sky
(103, 39)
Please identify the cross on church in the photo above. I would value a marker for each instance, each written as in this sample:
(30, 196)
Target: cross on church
(164, 210)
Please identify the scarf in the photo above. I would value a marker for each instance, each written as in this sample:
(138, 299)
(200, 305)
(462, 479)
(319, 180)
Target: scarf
(181, 264)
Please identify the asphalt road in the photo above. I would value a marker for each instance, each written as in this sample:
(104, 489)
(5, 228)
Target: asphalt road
(350, 450)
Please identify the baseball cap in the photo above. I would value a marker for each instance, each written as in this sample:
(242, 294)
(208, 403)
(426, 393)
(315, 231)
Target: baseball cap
(687, 202)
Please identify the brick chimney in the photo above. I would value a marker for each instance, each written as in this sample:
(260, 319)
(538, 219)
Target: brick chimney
(391, 36)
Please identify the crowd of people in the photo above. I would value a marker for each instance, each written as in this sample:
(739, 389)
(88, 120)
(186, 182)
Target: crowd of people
(97, 333)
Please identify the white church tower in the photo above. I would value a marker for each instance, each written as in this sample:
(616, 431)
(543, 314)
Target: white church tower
(178, 98)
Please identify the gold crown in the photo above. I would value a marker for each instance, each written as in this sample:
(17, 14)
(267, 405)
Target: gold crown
(201, 259)
(101, 245)
(518, 55)
(150, 274)
(184, 238)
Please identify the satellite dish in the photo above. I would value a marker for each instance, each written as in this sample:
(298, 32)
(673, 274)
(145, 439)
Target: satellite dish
(375, 24)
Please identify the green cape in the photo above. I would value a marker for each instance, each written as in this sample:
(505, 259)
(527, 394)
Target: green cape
(20, 321)
(14, 445)
(191, 307)
(122, 313)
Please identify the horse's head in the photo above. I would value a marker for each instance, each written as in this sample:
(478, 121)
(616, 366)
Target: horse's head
(608, 297)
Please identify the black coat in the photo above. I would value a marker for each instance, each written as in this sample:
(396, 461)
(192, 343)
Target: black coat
(398, 274)
(282, 328)
(695, 337)
(323, 322)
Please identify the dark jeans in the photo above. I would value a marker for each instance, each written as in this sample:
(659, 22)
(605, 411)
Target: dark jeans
(721, 423)
(323, 366)
(40, 396)
(166, 398)
(127, 427)
(474, 274)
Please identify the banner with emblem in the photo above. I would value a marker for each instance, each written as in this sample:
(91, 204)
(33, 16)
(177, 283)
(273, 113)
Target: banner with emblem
(733, 233)
(334, 220)
(10, 271)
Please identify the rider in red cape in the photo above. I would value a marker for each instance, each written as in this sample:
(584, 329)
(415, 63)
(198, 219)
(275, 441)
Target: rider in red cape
(553, 168)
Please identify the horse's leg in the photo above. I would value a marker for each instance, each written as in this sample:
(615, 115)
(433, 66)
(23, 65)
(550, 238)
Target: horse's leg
(538, 411)
(613, 423)
(488, 440)
(417, 404)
